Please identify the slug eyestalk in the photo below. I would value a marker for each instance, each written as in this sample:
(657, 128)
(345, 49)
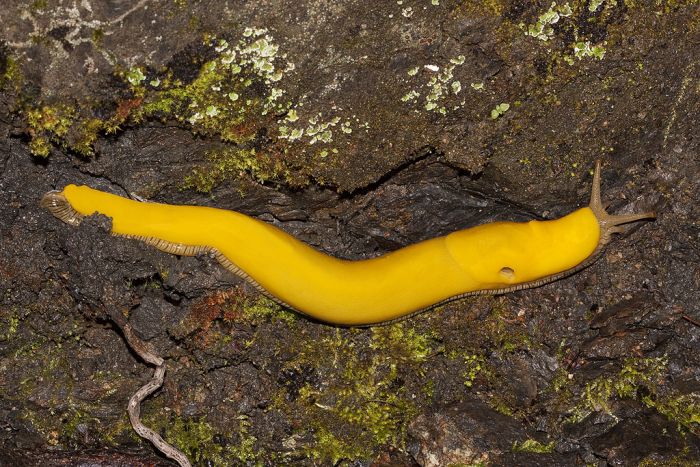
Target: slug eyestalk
(610, 224)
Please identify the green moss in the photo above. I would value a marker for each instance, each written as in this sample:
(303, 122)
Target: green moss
(203, 443)
(683, 459)
(47, 124)
(233, 96)
(195, 439)
(229, 162)
(38, 5)
(501, 405)
(9, 323)
(357, 403)
(532, 445)
(74, 417)
(11, 75)
(48, 368)
(636, 373)
(641, 379)
(670, 6)
(62, 424)
(497, 333)
(230, 94)
(263, 309)
(403, 343)
(480, 7)
(683, 409)
(98, 36)
(60, 125)
(473, 365)
(86, 132)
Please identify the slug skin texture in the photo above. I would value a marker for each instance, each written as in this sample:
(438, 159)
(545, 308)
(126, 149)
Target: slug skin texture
(492, 258)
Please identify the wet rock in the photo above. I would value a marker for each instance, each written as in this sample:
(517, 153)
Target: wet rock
(459, 434)
(630, 324)
(471, 433)
(630, 433)
(151, 315)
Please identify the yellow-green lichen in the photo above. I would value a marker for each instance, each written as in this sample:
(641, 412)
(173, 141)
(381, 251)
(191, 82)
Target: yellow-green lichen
(231, 93)
(593, 5)
(318, 130)
(585, 49)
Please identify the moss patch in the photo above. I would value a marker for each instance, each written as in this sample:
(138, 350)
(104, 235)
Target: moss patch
(642, 379)
(532, 445)
(356, 402)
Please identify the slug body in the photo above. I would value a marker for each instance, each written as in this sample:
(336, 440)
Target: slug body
(490, 258)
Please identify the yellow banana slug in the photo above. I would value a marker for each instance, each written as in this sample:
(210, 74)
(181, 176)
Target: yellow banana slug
(491, 258)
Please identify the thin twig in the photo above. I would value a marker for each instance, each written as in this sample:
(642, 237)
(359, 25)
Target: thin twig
(690, 320)
(134, 408)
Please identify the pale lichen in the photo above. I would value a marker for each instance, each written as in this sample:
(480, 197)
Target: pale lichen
(440, 90)
(542, 29)
(499, 110)
(585, 49)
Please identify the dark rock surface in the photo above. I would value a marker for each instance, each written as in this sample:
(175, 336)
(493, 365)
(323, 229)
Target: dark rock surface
(601, 368)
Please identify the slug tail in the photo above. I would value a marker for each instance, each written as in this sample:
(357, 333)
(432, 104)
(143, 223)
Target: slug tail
(610, 223)
(58, 205)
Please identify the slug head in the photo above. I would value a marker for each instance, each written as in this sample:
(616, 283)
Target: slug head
(609, 223)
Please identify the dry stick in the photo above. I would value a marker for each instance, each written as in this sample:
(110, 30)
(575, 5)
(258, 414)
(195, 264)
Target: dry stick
(134, 407)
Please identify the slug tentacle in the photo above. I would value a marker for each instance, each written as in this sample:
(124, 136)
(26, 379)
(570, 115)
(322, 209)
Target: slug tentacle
(610, 223)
